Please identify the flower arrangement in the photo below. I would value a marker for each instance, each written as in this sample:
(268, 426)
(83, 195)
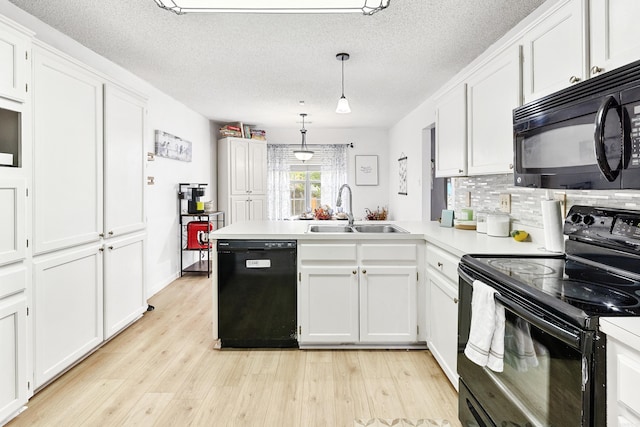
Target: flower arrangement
(323, 212)
(377, 215)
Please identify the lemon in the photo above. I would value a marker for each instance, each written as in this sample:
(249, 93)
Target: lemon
(519, 235)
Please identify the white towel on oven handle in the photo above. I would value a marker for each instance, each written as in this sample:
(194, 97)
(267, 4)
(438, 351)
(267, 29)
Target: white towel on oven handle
(486, 336)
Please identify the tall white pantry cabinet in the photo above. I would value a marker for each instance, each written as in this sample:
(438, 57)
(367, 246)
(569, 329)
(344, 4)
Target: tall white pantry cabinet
(72, 222)
(242, 179)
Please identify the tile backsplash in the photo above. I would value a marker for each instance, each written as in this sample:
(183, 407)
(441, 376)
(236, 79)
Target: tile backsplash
(525, 202)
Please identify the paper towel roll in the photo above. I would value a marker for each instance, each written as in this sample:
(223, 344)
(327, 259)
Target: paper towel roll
(552, 222)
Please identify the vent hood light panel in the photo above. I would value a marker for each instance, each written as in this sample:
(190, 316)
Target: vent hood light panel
(367, 7)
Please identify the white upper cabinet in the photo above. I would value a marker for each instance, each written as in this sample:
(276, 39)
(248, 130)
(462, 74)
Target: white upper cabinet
(14, 62)
(451, 133)
(12, 220)
(124, 125)
(492, 94)
(68, 153)
(555, 51)
(614, 34)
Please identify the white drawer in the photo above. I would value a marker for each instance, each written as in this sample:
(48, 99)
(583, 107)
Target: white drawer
(444, 262)
(389, 252)
(327, 252)
(13, 279)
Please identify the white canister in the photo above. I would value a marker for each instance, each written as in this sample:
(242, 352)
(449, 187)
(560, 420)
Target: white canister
(498, 225)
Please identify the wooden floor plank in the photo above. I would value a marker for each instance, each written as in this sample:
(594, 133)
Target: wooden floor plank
(163, 370)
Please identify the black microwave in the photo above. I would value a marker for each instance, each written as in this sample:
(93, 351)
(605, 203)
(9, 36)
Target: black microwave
(584, 137)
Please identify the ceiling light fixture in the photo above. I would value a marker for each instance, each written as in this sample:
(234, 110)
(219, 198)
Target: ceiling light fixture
(366, 7)
(303, 153)
(343, 104)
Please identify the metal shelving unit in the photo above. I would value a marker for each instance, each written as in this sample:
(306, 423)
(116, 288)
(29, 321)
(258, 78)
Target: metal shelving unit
(192, 244)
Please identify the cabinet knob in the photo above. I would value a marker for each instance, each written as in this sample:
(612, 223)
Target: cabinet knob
(455, 300)
(101, 234)
(354, 272)
(101, 249)
(364, 271)
(596, 70)
(510, 165)
(111, 233)
(110, 248)
(440, 264)
(460, 171)
(574, 79)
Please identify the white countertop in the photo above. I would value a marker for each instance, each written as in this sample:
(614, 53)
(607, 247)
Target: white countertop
(458, 242)
(624, 329)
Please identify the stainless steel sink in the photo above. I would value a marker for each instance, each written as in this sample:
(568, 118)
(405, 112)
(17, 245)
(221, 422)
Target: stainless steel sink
(379, 228)
(330, 229)
(362, 228)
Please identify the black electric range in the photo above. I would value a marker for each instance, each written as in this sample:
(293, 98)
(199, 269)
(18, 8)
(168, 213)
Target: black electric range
(553, 304)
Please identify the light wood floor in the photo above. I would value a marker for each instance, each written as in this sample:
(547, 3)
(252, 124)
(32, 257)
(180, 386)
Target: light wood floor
(163, 371)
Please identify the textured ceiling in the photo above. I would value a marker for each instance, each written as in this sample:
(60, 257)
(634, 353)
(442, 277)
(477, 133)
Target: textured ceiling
(256, 68)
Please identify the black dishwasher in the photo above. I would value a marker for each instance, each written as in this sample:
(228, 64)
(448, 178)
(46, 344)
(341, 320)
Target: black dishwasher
(257, 293)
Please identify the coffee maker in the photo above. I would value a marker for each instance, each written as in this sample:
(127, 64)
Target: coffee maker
(193, 193)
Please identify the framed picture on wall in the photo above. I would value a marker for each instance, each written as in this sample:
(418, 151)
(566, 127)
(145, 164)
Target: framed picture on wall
(367, 170)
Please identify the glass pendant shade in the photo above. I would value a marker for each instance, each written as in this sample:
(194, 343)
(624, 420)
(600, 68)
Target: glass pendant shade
(366, 7)
(303, 153)
(343, 105)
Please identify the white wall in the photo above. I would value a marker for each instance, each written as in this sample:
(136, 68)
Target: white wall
(365, 142)
(166, 114)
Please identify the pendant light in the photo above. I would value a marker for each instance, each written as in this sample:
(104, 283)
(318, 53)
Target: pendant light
(343, 104)
(303, 153)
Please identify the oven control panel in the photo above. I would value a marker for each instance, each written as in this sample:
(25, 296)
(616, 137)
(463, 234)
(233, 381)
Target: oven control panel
(608, 226)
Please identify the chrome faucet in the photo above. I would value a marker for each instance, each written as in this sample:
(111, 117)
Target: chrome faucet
(339, 202)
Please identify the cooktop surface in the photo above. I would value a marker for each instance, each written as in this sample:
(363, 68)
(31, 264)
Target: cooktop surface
(596, 291)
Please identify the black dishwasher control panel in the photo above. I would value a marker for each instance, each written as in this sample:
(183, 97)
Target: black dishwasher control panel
(256, 244)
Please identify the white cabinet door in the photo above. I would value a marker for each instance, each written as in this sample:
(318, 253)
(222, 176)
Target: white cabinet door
(12, 224)
(443, 336)
(14, 64)
(555, 51)
(239, 167)
(258, 167)
(239, 209)
(124, 290)
(614, 34)
(328, 305)
(492, 94)
(258, 208)
(13, 354)
(451, 133)
(68, 170)
(124, 125)
(388, 304)
(68, 307)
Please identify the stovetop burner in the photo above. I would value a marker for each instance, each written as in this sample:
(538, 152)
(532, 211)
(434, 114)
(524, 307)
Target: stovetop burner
(513, 266)
(581, 292)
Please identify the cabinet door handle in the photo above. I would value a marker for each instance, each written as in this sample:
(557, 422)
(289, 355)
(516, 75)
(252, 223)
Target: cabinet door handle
(354, 272)
(455, 300)
(596, 70)
(364, 271)
(101, 234)
(101, 249)
(510, 165)
(574, 79)
(440, 264)
(460, 171)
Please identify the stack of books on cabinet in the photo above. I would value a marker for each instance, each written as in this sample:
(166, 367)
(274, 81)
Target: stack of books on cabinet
(241, 130)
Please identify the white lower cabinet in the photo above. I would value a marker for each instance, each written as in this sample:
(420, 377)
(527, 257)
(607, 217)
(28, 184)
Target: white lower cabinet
(68, 309)
(328, 302)
(124, 291)
(13, 341)
(358, 293)
(248, 208)
(388, 304)
(442, 282)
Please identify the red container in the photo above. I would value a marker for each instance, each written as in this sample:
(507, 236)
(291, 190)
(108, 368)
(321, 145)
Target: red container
(198, 234)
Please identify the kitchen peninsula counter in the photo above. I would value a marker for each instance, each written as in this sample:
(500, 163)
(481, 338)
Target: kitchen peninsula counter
(456, 241)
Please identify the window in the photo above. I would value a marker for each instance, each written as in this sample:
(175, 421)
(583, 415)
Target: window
(305, 184)
(295, 187)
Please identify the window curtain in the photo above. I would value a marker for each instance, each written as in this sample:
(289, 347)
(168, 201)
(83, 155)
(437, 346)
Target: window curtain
(278, 190)
(334, 173)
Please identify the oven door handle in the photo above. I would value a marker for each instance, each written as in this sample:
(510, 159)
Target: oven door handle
(539, 322)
